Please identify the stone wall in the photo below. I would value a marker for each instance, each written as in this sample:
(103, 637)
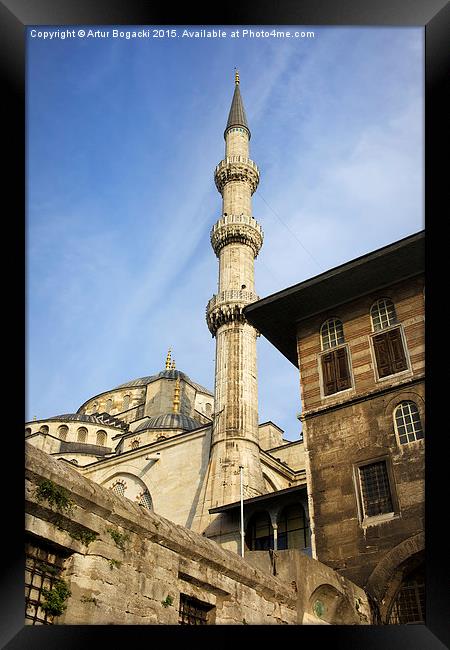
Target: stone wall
(139, 564)
(127, 565)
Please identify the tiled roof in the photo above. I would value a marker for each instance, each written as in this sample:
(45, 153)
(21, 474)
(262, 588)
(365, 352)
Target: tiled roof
(165, 374)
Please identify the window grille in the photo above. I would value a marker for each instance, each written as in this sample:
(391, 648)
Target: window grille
(135, 444)
(126, 402)
(409, 603)
(62, 432)
(108, 406)
(332, 334)
(43, 568)
(101, 438)
(193, 611)
(119, 488)
(376, 493)
(82, 434)
(407, 422)
(383, 314)
(145, 500)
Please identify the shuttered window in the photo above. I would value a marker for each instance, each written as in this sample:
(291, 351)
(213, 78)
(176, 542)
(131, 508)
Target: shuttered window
(335, 371)
(389, 352)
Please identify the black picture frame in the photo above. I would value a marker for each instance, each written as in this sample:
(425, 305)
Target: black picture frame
(15, 16)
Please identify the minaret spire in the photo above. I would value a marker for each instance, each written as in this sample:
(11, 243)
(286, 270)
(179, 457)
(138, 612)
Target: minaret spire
(236, 239)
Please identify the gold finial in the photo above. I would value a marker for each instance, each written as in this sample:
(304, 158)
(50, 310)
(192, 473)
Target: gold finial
(34, 418)
(176, 396)
(172, 367)
(168, 359)
(236, 76)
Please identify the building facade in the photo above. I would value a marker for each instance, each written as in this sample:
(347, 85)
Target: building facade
(358, 335)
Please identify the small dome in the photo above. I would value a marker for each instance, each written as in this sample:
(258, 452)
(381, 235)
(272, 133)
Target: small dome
(169, 421)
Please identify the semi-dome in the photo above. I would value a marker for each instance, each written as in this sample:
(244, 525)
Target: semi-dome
(169, 421)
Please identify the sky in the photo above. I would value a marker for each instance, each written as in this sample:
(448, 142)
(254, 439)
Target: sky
(122, 140)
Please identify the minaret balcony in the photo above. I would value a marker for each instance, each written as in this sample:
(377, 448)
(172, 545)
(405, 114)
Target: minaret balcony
(236, 168)
(228, 306)
(237, 228)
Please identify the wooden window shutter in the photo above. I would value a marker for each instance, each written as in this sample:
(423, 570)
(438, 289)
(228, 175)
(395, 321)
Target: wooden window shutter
(328, 372)
(381, 347)
(342, 370)
(397, 350)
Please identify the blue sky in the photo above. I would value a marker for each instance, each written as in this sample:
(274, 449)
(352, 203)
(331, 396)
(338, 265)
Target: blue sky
(122, 140)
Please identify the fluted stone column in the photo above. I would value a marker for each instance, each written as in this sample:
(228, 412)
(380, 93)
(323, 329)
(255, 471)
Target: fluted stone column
(236, 239)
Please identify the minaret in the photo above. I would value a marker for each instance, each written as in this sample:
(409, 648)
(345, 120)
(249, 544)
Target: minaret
(236, 239)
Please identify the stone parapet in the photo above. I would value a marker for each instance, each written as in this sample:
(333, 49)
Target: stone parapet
(228, 306)
(233, 228)
(236, 168)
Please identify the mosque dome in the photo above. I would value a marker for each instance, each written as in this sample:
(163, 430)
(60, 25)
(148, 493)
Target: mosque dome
(169, 421)
(164, 374)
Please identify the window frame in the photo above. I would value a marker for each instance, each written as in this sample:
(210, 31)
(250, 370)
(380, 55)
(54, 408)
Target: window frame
(394, 419)
(372, 520)
(323, 353)
(407, 370)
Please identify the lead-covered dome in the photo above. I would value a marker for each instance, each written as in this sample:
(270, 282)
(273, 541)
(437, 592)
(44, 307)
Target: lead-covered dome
(169, 421)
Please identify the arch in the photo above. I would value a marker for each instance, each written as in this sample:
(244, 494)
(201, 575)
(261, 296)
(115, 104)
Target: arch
(134, 444)
(259, 532)
(82, 433)
(382, 314)
(293, 528)
(109, 405)
(332, 606)
(408, 603)
(28, 431)
(331, 333)
(101, 438)
(63, 430)
(385, 573)
(135, 488)
(43, 429)
(126, 402)
(144, 499)
(269, 483)
(208, 409)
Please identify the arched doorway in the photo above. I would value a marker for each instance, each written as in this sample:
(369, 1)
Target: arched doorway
(259, 533)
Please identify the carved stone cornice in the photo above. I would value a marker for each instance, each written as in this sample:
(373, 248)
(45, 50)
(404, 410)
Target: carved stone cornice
(236, 168)
(228, 307)
(237, 228)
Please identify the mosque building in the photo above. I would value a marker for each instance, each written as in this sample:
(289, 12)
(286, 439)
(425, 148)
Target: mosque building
(350, 493)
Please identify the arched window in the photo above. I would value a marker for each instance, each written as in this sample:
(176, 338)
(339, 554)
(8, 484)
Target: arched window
(208, 409)
(63, 430)
(407, 422)
(126, 402)
(44, 428)
(334, 363)
(145, 500)
(94, 407)
(135, 444)
(293, 529)
(119, 487)
(108, 406)
(82, 434)
(101, 438)
(383, 314)
(331, 334)
(27, 431)
(259, 535)
(409, 604)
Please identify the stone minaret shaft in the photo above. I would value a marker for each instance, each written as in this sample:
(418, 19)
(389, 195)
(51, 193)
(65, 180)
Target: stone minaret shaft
(236, 239)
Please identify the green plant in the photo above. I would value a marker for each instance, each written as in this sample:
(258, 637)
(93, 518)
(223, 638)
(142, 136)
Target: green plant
(120, 539)
(85, 536)
(56, 496)
(114, 563)
(167, 602)
(55, 598)
(47, 568)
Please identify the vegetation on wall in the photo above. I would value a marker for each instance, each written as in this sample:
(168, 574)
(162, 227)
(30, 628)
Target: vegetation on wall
(120, 539)
(56, 496)
(55, 598)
